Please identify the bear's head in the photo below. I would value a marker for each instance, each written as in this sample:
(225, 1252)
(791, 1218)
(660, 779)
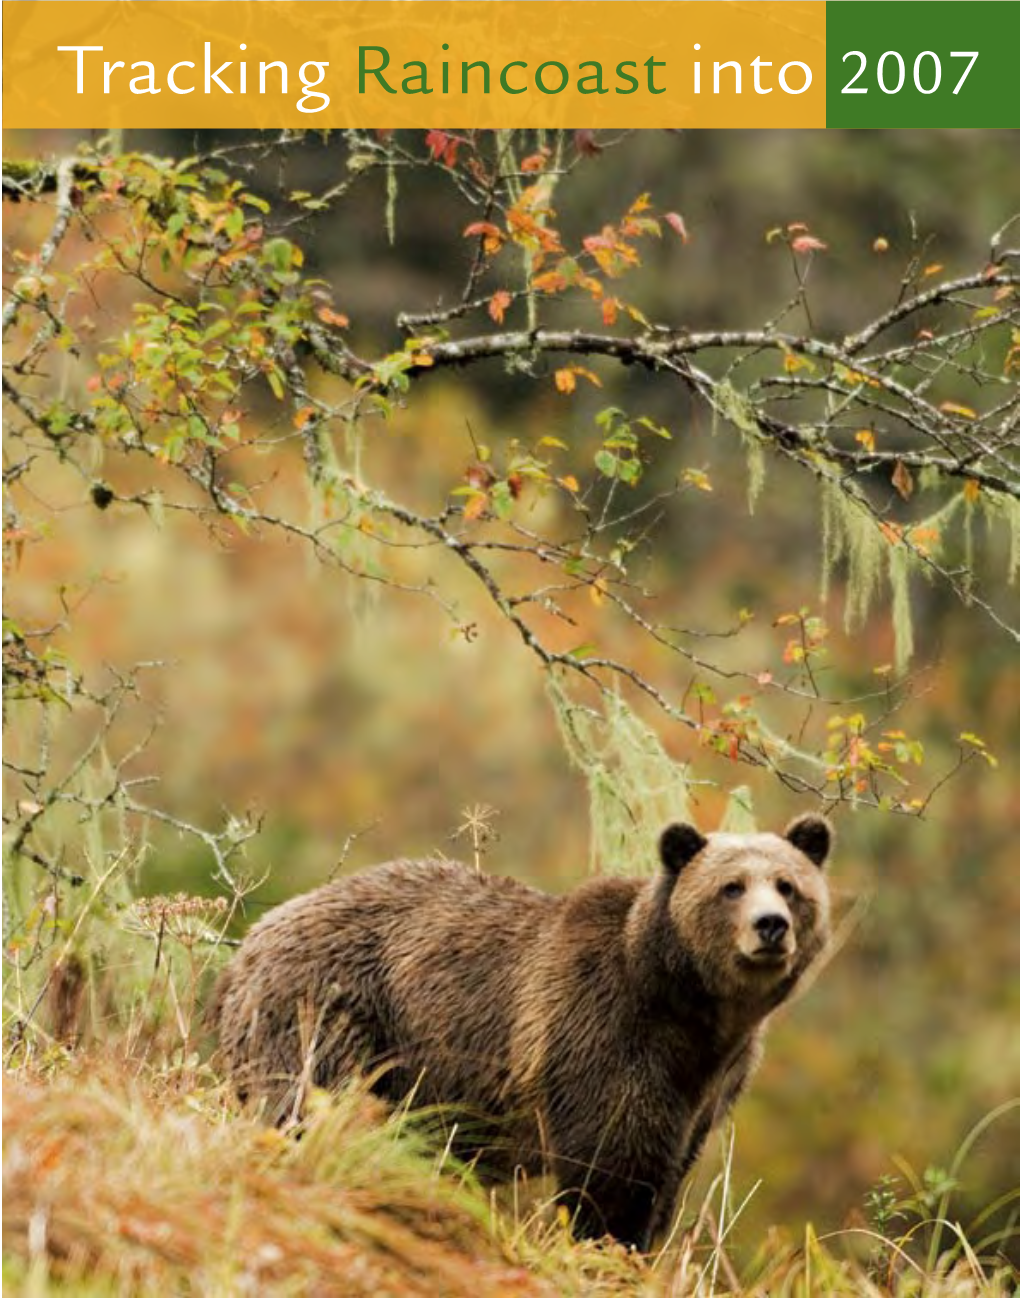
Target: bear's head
(751, 910)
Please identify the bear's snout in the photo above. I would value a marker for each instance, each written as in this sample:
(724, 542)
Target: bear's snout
(772, 929)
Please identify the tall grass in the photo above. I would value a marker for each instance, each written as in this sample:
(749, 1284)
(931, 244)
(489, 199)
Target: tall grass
(121, 1179)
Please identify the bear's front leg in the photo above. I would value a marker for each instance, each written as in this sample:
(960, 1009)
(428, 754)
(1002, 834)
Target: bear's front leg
(609, 1205)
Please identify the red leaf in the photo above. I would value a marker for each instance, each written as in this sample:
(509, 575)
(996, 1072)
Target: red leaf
(443, 145)
(586, 144)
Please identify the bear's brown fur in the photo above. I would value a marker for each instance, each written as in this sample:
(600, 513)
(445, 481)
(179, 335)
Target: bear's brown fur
(598, 1035)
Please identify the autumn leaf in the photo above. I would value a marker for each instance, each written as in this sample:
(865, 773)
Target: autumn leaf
(492, 236)
(697, 478)
(933, 269)
(479, 476)
(892, 532)
(881, 244)
(476, 506)
(566, 378)
(331, 317)
(676, 222)
(954, 408)
(570, 482)
(866, 438)
(923, 538)
(498, 304)
(586, 144)
(443, 145)
(971, 491)
(808, 243)
(610, 310)
(536, 161)
(550, 281)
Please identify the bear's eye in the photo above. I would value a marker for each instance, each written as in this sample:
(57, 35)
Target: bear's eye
(733, 889)
(785, 889)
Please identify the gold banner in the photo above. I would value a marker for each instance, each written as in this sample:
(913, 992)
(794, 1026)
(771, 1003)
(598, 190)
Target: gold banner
(404, 63)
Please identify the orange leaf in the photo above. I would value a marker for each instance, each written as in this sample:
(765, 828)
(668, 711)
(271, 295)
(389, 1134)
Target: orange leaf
(328, 316)
(570, 482)
(971, 491)
(866, 438)
(498, 304)
(536, 162)
(933, 269)
(902, 480)
(550, 281)
(610, 309)
(566, 378)
(492, 236)
(475, 507)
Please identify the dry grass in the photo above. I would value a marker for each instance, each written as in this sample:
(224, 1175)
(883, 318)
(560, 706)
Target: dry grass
(118, 1181)
(158, 1190)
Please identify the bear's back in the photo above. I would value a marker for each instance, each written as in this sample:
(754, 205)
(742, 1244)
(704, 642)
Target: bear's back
(412, 964)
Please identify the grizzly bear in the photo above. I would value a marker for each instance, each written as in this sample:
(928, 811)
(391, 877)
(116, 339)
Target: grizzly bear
(598, 1035)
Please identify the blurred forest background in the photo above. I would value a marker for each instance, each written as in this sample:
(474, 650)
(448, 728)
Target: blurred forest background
(342, 711)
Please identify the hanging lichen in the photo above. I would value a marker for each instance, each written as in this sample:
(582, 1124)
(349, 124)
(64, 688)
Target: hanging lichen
(634, 787)
(739, 817)
(391, 198)
(850, 532)
(1006, 509)
(903, 628)
(738, 410)
(337, 503)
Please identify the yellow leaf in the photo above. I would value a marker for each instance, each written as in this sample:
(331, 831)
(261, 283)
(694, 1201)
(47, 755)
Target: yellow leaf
(971, 491)
(570, 482)
(475, 507)
(565, 380)
(954, 408)
(866, 438)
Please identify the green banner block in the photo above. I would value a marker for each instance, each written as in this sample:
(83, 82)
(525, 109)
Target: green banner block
(935, 63)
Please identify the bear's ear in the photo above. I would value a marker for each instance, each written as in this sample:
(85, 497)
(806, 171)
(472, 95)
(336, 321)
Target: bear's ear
(678, 845)
(812, 835)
